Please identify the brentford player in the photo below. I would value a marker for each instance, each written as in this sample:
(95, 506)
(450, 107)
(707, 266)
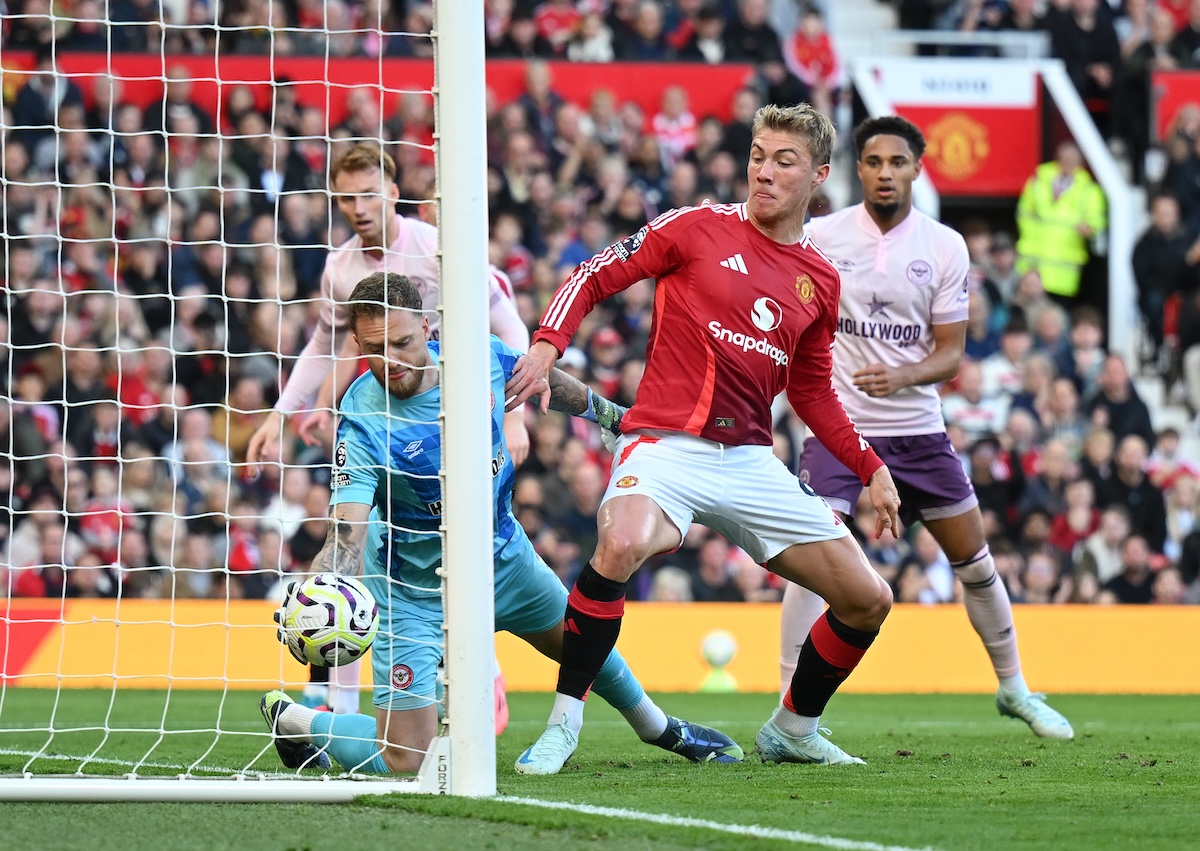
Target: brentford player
(902, 324)
(745, 308)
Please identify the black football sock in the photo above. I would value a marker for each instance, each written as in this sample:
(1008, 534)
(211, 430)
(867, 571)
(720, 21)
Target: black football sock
(830, 653)
(318, 675)
(590, 628)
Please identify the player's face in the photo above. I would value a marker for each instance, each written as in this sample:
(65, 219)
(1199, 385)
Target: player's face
(887, 169)
(394, 346)
(782, 178)
(367, 199)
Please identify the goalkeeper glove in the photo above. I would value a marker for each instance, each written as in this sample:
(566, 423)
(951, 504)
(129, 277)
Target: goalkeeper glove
(606, 414)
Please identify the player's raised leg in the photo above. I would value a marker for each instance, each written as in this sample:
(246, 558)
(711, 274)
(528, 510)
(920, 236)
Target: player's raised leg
(988, 607)
(859, 600)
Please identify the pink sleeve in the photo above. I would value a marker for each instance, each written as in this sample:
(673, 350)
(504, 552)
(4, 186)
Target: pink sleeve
(503, 318)
(317, 357)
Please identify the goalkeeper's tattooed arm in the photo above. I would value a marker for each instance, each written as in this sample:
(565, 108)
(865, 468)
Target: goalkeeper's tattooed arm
(572, 396)
(345, 541)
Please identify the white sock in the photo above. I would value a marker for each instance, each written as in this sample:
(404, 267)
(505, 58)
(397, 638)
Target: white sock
(1014, 685)
(296, 720)
(801, 609)
(343, 688)
(569, 710)
(646, 719)
(990, 613)
(793, 724)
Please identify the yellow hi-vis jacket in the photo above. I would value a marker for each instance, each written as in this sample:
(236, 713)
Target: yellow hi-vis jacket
(1050, 241)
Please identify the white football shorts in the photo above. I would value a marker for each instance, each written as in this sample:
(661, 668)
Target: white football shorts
(743, 492)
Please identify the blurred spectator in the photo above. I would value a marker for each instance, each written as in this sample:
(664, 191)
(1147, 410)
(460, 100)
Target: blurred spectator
(810, 55)
(713, 581)
(967, 406)
(39, 102)
(926, 576)
(674, 126)
(1002, 373)
(1100, 553)
(557, 21)
(177, 102)
(1084, 359)
(1152, 52)
(1116, 404)
(1167, 462)
(707, 41)
(983, 339)
(646, 40)
(749, 36)
(1042, 581)
(1129, 486)
(670, 585)
(1060, 209)
(1047, 489)
(1079, 520)
(1186, 44)
(1164, 259)
(1083, 37)
(592, 41)
(1135, 581)
(522, 39)
(1181, 504)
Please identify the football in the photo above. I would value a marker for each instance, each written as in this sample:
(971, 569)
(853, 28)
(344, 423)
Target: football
(329, 620)
(718, 648)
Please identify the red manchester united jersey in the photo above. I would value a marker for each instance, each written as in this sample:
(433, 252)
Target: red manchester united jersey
(738, 317)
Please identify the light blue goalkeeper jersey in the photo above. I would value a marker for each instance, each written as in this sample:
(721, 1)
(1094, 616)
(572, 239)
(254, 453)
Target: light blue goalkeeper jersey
(388, 455)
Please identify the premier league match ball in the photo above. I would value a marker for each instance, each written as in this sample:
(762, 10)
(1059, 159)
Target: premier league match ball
(718, 648)
(329, 620)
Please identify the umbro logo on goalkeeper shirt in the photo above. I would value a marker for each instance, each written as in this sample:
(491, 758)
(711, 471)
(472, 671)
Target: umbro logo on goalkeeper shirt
(736, 264)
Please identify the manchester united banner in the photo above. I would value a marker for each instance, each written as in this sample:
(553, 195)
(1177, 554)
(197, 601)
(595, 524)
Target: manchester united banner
(981, 120)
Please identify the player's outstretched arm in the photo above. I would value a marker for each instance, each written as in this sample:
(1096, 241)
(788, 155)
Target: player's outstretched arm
(572, 396)
(345, 540)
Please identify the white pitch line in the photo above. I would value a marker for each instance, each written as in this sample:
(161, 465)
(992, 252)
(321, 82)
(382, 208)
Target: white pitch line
(738, 829)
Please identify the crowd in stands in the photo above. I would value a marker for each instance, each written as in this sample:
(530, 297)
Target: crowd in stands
(150, 322)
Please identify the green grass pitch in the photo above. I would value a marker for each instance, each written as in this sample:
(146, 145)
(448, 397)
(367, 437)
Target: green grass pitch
(943, 772)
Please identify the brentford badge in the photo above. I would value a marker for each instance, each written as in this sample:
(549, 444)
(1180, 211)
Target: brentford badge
(627, 481)
(402, 677)
(805, 289)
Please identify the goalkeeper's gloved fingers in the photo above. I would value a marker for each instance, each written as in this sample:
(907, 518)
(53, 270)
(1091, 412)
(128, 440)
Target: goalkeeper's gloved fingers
(609, 439)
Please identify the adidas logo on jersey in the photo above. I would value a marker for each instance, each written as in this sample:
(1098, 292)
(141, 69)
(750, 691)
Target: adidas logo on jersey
(736, 264)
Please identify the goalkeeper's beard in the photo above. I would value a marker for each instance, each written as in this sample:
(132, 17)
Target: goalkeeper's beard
(405, 387)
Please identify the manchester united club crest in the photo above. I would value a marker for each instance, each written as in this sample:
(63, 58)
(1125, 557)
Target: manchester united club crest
(805, 289)
(627, 481)
(958, 145)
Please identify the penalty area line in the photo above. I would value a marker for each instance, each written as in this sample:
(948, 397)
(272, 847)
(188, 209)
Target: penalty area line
(752, 830)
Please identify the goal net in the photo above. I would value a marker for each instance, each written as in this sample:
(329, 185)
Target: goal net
(167, 217)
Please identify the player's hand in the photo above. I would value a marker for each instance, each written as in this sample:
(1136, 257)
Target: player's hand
(531, 377)
(516, 436)
(878, 380)
(609, 439)
(280, 634)
(886, 501)
(317, 428)
(264, 444)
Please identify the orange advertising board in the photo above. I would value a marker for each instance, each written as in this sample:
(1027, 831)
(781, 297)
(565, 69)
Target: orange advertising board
(922, 649)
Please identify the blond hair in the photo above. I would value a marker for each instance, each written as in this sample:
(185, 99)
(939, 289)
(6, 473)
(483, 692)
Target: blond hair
(799, 120)
(364, 158)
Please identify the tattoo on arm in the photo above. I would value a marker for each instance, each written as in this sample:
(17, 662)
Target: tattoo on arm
(567, 394)
(345, 542)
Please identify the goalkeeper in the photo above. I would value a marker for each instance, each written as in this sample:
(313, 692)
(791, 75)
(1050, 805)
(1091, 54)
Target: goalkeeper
(386, 465)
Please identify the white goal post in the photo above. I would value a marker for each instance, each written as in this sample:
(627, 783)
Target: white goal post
(461, 761)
